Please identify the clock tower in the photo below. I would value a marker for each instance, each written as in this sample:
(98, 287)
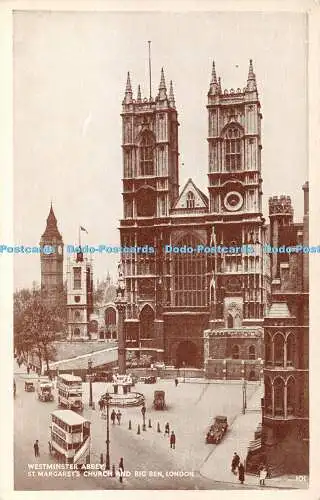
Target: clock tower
(51, 264)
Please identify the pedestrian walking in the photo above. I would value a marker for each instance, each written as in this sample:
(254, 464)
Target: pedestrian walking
(167, 429)
(262, 475)
(50, 447)
(28, 369)
(241, 473)
(121, 470)
(173, 440)
(176, 381)
(36, 449)
(235, 462)
(113, 416)
(119, 414)
(143, 410)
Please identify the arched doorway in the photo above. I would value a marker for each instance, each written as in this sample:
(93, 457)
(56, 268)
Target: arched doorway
(186, 354)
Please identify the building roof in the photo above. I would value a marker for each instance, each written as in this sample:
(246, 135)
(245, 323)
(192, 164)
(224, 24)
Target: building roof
(279, 310)
(69, 417)
(201, 200)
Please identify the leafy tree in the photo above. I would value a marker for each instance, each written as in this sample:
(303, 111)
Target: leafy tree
(36, 325)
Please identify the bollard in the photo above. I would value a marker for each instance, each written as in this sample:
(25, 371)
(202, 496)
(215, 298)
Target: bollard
(158, 428)
(130, 425)
(149, 423)
(138, 432)
(144, 427)
(101, 458)
(113, 470)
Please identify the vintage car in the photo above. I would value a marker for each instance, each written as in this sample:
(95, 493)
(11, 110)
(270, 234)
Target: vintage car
(159, 400)
(44, 391)
(150, 380)
(217, 430)
(29, 387)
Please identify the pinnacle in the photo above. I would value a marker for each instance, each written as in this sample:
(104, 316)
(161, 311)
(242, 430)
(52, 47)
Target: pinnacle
(128, 86)
(162, 81)
(171, 94)
(214, 76)
(139, 93)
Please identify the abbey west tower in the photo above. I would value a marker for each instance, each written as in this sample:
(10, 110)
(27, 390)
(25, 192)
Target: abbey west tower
(174, 298)
(235, 206)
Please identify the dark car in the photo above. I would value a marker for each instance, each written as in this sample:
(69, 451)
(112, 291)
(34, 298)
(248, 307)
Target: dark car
(150, 380)
(217, 430)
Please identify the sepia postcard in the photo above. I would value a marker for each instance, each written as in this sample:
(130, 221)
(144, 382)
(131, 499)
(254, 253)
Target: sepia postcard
(156, 248)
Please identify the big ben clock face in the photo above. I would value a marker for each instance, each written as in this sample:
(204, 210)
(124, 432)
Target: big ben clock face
(233, 201)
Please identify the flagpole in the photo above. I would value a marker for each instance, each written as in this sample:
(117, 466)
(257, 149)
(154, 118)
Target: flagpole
(80, 238)
(149, 43)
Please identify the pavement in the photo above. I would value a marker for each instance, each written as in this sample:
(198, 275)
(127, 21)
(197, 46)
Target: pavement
(237, 439)
(147, 456)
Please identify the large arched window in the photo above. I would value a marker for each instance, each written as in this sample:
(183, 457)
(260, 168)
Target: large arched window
(268, 396)
(190, 200)
(278, 349)
(110, 317)
(252, 352)
(268, 349)
(190, 281)
(146, 153)
(235, 351)
(290, 349)
(232, 149)
(278, 387)
(146, 202)
(291, 395)
(147, 323)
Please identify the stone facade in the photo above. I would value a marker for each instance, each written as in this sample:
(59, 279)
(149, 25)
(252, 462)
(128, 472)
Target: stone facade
(286, 330)
(79, 297)
(172, 298)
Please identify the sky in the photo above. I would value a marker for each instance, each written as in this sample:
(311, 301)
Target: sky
(69, 79)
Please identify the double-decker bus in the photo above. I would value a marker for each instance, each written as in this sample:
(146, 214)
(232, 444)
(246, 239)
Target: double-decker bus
(70, 392)
(70, 436)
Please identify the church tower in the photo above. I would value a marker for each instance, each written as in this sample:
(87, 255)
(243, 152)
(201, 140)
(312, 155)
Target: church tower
(235, 208)
(150, 152)
(51, 264)
(79, 296)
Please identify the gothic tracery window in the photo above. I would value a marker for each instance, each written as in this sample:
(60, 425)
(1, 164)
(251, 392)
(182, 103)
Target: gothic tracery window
(190, 281)
(147, 155)
(233, 149)
(190, 200)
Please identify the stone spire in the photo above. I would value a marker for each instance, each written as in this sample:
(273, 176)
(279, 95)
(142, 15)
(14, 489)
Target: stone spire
(251, 82)
(219, 83)
(128, 92)
(214, 86)
(139, 94)
(51, 228)
(171, 96)
(162, 87)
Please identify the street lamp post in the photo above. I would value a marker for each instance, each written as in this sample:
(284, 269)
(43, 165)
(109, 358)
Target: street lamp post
(107, 399)
(121, 303)
(143, 411)
(90, 381)
(184, 370)
(244, 396)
